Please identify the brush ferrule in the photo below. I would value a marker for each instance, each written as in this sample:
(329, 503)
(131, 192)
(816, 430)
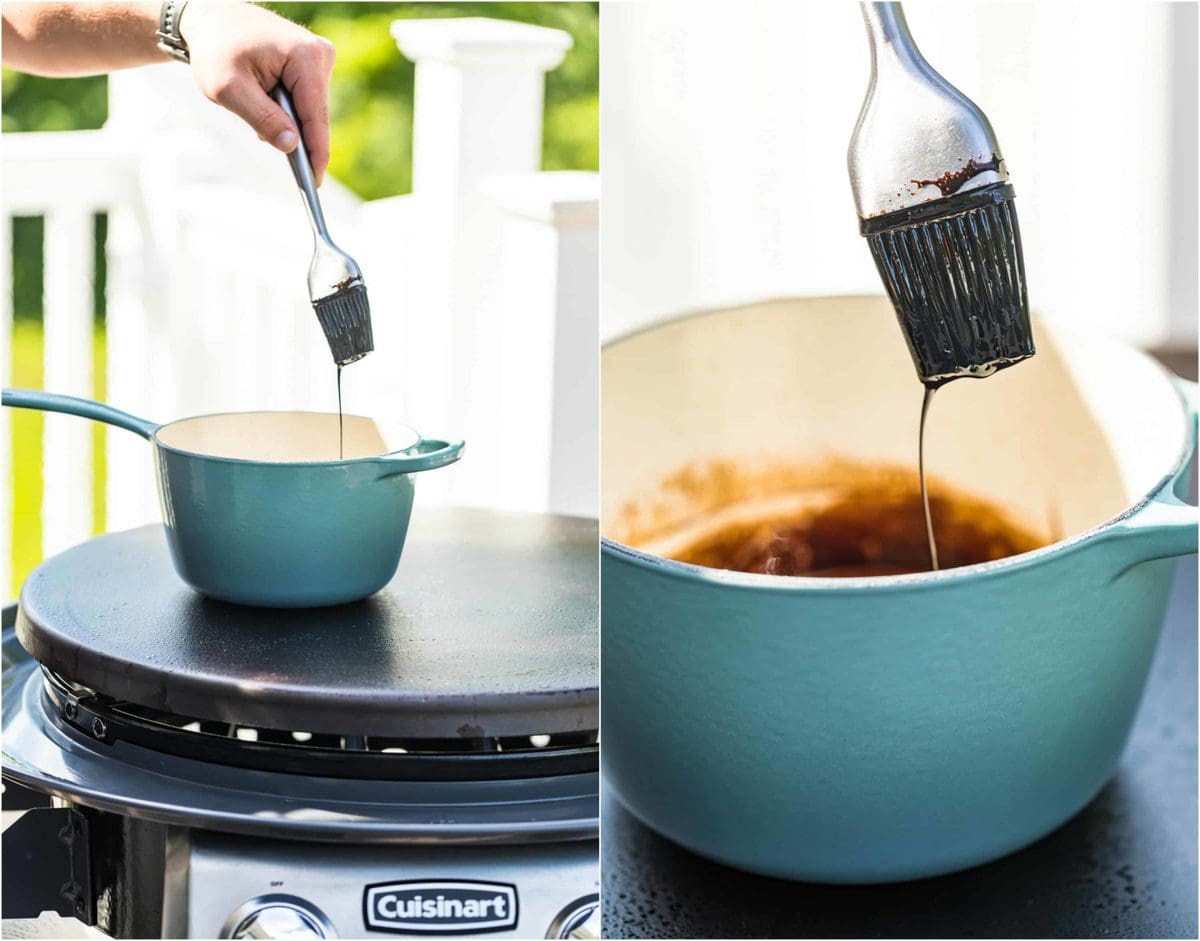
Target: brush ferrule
(954, 271)
(991, 195)
(345, 318)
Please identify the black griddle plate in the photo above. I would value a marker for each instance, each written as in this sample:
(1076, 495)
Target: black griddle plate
(489, 628)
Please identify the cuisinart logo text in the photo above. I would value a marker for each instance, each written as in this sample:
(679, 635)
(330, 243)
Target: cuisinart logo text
(450, 907)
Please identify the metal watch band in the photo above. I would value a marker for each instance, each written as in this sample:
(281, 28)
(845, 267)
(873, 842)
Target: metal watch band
(169, 39)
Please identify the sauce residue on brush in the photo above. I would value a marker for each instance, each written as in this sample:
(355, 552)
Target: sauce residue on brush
(952, 181)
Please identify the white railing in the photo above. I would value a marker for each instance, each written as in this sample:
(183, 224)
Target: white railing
(483, 281)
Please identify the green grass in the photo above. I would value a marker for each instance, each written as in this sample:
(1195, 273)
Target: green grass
(27, 428)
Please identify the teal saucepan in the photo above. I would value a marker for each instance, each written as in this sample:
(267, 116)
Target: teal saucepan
(260, 509)
(892, 727)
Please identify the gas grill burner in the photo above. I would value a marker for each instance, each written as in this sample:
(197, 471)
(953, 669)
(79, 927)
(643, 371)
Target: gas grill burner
(82, 711)
(230, 768)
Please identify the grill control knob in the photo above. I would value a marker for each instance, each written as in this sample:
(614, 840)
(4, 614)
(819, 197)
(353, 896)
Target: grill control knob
(580, 919)
(278, 916)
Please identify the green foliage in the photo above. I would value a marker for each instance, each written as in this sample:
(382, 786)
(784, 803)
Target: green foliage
(27, 272)
(34, 103)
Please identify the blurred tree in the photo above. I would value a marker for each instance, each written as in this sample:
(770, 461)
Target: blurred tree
(33, 103)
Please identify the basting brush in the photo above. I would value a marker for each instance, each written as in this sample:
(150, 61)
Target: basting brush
(335, 283)
(936, 208)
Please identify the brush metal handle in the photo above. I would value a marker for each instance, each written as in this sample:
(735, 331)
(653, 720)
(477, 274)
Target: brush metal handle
(302, 166)
(918, 138)
(888, 29)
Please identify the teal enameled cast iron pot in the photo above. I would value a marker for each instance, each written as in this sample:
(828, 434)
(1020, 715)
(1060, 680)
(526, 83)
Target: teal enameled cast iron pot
(888, 728)
(249, 520)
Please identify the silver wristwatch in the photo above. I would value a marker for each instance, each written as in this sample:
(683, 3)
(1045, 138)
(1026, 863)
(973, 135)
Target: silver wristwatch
(169, 39)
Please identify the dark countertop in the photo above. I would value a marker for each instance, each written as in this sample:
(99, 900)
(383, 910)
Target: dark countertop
(1123, 868)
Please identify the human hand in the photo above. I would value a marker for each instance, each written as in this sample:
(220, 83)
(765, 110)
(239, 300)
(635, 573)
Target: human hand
(240, 52)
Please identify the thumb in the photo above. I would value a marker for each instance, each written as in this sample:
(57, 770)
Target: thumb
(245, 98)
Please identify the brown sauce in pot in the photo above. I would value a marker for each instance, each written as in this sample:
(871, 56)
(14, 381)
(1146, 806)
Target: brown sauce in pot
(864, 533)
(860, 521)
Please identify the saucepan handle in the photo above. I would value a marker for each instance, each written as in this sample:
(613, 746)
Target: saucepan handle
(84, 408)
(426, 454)
(1166, 525)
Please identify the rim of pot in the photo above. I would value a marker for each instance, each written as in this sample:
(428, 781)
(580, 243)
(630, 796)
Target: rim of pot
(200, 455)
(877, 583)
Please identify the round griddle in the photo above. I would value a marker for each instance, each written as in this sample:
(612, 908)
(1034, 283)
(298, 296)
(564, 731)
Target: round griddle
(489, 628)
(45, 755)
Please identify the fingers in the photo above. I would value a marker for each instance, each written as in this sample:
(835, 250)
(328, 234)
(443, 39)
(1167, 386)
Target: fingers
(242, 95)
(240, 52)
(307, 75)
(313, 111)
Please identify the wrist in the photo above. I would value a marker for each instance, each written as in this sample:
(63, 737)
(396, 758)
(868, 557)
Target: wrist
(198, 12)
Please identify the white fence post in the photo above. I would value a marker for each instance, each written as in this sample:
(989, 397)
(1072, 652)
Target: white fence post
(477, 113)
(550, 380)
(142, 103)
(67, 454)
(64, 177)
(129, 488)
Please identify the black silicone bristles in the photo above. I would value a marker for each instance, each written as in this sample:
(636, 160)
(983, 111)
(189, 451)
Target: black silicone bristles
(954, 271)
(346, 319)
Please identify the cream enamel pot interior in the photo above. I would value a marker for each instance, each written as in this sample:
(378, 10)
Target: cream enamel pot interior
(878, 729)
(260, 509)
